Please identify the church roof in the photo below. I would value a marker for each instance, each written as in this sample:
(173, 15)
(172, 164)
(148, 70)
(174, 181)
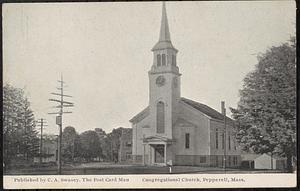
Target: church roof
(198, 106)
(205, 109)
(144, 113)
(253, 156)
(164, 35)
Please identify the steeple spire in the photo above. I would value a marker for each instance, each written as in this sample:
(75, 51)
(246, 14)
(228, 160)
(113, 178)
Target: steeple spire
(164, 27)
(164, 41)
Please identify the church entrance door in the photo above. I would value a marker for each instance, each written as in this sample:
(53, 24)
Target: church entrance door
(159, 153)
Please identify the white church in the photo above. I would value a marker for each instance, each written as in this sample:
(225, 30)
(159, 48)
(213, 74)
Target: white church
(174, 130)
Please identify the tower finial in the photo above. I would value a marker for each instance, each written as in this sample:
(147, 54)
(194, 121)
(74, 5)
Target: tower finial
(164, 28)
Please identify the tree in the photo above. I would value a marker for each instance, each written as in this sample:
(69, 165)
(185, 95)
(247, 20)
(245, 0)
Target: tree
(266, 113)
(114, 140)
(69, 143)
(90, 145)
(30, 136)
(104, 142)
(106, 146)
(19, 133)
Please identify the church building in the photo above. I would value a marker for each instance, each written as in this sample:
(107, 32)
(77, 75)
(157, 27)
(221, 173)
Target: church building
(174, 130)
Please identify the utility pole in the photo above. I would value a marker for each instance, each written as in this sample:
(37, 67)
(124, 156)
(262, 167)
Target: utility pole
(56, 153)
(42, 124)
(144, 162)
(224, 114)
(59, 117)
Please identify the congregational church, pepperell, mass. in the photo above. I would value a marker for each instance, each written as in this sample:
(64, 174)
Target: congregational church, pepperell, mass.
(174, 130)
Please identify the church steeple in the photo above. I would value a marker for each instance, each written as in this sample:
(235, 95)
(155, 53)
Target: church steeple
(164, 41)
(164, 27)
(164, 81)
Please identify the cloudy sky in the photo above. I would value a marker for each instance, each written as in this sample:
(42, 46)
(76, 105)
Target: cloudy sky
(104, 53)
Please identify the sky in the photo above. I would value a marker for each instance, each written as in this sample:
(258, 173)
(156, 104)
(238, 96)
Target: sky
(104, 52)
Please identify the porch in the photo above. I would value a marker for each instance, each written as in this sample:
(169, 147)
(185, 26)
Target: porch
(155, 152)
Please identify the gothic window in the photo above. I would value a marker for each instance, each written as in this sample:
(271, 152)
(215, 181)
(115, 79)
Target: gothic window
(173, 60)
(163, 58)
(217, 140)
(160, 116)
(187, 140)
(158, 60)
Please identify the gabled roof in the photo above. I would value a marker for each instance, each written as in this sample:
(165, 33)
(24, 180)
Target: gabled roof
(196, 105)
(138, 117)
(274, 156)
(253, 156)
(206, 109)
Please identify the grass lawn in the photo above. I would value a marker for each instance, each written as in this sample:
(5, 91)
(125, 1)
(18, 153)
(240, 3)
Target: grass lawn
(108, 168)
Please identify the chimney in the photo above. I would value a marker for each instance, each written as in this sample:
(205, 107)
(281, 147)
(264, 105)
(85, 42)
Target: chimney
(223, 110)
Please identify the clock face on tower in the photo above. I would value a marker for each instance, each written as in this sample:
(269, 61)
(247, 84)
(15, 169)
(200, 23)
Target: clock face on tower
(160, 81)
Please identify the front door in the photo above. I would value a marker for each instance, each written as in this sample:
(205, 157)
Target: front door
(159, 151)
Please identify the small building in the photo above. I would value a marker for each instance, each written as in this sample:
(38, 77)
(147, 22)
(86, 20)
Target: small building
(264, 161)
(248, 160)
(125, 151)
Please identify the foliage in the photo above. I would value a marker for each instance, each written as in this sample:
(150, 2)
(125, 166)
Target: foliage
(106, 146)
(266, 112)
(19, 132)
(70, 144)
(113, 139)
(90, 145)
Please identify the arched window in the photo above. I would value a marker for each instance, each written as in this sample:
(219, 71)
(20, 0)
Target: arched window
(173, 60)
(160, 117)
(187, 140)
(158, 60)
(163, 56)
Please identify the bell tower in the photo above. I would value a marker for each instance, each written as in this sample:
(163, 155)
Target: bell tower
(164, 81)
